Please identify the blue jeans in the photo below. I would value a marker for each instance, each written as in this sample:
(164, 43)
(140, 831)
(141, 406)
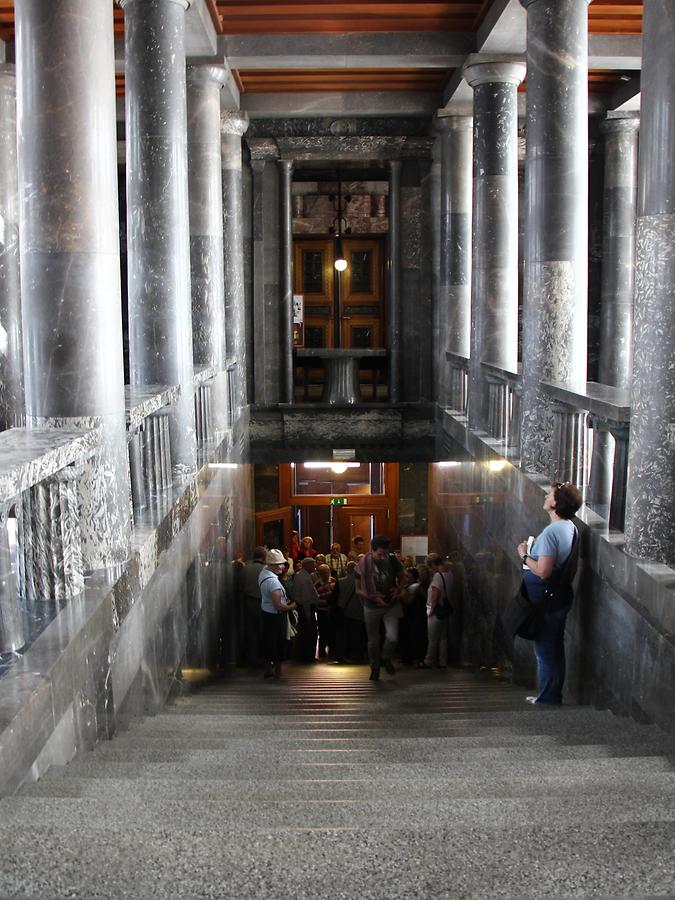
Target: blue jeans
(549, 648)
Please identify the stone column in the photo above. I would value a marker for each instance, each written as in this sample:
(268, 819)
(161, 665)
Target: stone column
(494, 271)
(556, 191)
(618, 283)
(70, 254)
(206, 215)
(158, 238)
(438, 361)
(618, 250)
(233, 126)
(650, 516)
(12, 412)
(286, 222)
(394, 280)
(456, 213)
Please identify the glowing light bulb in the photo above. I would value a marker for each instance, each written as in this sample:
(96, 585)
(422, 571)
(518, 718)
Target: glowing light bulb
(340, 264)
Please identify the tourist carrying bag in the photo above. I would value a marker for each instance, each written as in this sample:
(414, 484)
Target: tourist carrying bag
(526, 620)
(443, 609)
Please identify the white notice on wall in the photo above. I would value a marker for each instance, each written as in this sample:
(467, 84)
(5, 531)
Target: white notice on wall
(415, 545)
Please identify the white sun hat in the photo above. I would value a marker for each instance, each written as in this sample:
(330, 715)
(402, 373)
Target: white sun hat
(274, 558)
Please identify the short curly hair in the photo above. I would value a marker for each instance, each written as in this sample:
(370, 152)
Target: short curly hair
(567, 499)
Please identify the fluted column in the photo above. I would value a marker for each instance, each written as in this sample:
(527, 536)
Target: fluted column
(233, 126)
(494, 271)
(206, 215)
(158, 237)
(394, 280)
(650, 513)
(556, 192)
(71, 292)
(12, 411)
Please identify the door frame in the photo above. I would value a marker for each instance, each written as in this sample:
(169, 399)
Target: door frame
(285, 513)
(388, 500)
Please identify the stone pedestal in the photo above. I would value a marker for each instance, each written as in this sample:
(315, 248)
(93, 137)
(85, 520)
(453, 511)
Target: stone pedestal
(556, 190)
(650, 517)
(233, 126)
(12, 410)
(494, 271)
(71, 292)
(160, 316)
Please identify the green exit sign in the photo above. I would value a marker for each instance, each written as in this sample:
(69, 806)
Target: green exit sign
(338, 501)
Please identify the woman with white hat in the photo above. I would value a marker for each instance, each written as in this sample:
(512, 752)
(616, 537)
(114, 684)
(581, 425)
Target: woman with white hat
(274, 604)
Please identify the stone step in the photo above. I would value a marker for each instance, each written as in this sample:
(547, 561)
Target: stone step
(505, 764)
(439, 811)
(179, 859)
(628, 785)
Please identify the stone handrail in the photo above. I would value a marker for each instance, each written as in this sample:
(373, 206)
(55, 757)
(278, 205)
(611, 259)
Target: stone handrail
(458, 390)
(606, 410)
(39, 475)
(149, 443)
(504, 391)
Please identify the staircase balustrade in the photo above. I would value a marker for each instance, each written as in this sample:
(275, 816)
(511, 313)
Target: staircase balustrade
(458, 381)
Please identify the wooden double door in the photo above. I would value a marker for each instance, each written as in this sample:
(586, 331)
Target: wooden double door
(341, 309)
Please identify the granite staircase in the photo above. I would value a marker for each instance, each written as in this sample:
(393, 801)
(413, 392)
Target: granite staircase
(428, 784)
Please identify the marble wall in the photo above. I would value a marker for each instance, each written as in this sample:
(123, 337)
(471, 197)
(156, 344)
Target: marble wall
(118, 648)
(618, 644)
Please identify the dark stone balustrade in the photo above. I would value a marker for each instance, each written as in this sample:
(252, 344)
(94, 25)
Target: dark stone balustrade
(458, 378)
(341, 384)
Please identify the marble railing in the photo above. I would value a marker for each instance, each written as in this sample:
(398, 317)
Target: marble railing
(148, 439)
(39, 473)
(604, 410)
(204, 379)
(458, 381)
(504, 392)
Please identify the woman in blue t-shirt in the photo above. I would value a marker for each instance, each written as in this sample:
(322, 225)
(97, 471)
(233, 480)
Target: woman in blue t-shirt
(548, 555)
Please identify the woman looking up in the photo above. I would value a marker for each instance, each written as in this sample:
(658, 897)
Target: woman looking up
(543, 564)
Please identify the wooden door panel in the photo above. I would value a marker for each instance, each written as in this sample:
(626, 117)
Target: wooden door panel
(362, 296)
(313, 278)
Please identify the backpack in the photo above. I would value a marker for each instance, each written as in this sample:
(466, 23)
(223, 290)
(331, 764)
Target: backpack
(443, 608)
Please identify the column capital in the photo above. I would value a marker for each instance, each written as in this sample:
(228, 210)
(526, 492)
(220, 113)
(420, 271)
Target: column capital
(186, 4)
(620, 124)
(235, 122)
(286, 165)
(527, 3)
(394, 165)
(216, 75)
(482, 68)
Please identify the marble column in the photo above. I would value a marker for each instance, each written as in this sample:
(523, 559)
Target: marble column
(456, 214)
(650, 513)
(233, 126)
(618, 284)
(618, 250)
(204, 84)
(12, 412)
(286, 222)
(394, 280)
(494, 270)
(70, 254)
(556, 192)
(438, 361)
(158, 237)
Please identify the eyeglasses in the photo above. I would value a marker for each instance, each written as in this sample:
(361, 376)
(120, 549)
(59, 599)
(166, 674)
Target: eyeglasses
(559, 484)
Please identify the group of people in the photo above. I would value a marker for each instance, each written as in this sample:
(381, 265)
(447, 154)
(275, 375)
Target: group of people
(345, 607)
(348, 607)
